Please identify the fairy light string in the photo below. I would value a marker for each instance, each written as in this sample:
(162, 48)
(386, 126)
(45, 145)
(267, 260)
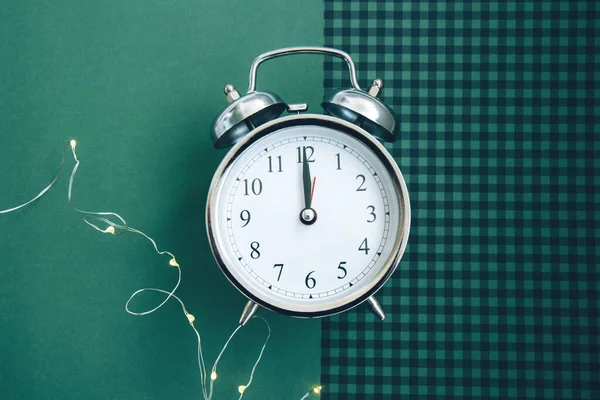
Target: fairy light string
(93, 219)
(315, 390)
(44, 190)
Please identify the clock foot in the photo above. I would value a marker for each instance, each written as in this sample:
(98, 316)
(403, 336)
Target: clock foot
(249, 310)
(376, 307)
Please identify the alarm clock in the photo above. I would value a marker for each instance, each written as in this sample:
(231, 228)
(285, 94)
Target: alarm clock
(307, 215)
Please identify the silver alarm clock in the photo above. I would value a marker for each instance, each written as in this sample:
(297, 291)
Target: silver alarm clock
(308, 214)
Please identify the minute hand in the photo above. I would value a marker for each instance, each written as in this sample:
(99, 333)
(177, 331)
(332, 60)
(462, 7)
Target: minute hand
(306, 181)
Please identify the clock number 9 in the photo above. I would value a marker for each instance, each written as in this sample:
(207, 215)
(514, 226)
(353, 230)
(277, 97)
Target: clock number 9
(245, 216)
(255, 253)
(310, 282)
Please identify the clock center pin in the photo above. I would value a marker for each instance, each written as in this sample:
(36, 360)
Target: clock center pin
(308, 216)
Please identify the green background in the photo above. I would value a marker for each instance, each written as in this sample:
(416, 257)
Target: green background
(137, 83)
(498, 293)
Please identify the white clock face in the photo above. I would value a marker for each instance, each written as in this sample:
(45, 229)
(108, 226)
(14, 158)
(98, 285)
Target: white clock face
(271, 252)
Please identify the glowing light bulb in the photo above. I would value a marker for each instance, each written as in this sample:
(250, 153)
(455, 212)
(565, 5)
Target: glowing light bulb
(213, 376)
(173, 263)
(73, 144)
(110, 229)
(191, 318)
(241, 388)
(317, 389)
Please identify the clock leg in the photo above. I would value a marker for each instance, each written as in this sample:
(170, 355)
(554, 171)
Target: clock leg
(376, 307)
(249, 310)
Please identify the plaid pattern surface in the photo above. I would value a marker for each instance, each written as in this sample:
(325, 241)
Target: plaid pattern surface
(498, 294)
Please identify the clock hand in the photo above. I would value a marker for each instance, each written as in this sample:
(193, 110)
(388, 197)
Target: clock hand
(306, 180)
(308, 216)
(312, 191)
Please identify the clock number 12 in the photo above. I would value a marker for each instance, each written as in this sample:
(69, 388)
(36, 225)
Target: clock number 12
(307, 151)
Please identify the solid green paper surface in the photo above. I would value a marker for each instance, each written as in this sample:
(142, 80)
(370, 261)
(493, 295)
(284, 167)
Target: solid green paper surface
(137, 84)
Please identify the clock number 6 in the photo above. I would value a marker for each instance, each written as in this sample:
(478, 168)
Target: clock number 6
(310, 282)
(343, 270)
(255, 253)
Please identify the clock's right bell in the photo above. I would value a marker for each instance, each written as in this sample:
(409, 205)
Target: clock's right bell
(365, 110)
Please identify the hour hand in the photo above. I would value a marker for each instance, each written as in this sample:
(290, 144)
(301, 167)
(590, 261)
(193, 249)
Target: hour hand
(308, 215)
(306, 181)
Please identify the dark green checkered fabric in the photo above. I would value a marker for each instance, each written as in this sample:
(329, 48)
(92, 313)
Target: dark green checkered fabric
(497, 296)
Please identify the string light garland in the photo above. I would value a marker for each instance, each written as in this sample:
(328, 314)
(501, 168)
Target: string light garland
(43, 192)
(118, 228)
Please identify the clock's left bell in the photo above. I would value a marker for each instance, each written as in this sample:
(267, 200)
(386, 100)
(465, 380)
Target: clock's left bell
(244, 114)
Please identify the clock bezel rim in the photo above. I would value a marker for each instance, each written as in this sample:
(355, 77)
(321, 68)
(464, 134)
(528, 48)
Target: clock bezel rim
(380, 152)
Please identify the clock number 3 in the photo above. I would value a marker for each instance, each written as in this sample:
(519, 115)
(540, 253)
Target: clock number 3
(255, 253)
(372, 213)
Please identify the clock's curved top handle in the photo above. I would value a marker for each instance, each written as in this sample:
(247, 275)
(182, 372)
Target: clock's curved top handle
(301, 50)
(255, 108)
